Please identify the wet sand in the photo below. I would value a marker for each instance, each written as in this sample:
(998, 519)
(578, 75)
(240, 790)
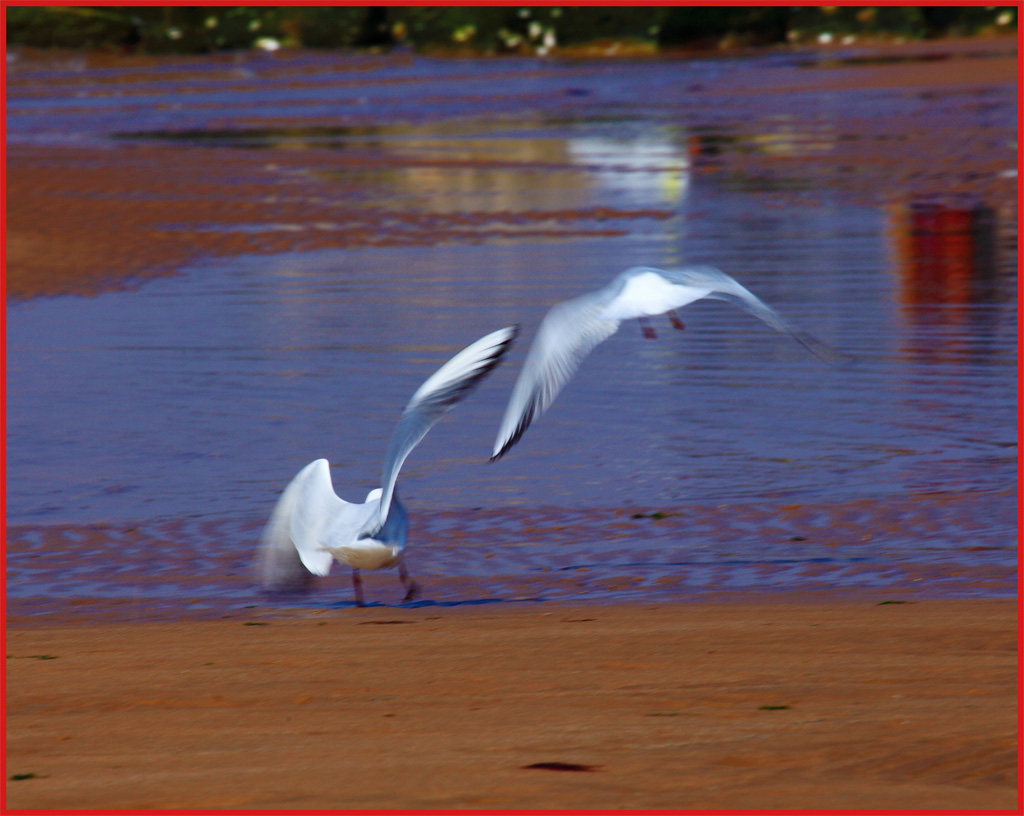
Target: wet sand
(86, 220)
(797, 703)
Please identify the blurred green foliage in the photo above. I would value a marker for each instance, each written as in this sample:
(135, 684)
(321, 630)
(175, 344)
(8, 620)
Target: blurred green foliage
(492, 29)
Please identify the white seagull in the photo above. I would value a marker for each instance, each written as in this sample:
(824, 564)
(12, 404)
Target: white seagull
(572, 328)
(311, 526)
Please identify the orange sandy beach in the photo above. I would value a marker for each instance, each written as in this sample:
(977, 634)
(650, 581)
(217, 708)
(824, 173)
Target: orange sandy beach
(798, 703)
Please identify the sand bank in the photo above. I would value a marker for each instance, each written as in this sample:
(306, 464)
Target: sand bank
(788, 704)
(83, 218)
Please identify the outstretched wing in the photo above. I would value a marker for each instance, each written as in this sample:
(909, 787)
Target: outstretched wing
(567, 334)
(445, 388)
(571, 330)
(290, 546)
(721, 286)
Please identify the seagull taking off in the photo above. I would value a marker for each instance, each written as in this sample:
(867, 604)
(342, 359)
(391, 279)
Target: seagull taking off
(311, 526)
(573, 328)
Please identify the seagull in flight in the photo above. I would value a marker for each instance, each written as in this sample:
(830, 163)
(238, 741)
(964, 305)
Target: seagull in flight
(310, 526)
(573, 328)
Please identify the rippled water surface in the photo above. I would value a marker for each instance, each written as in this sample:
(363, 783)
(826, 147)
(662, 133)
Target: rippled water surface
(151, 427)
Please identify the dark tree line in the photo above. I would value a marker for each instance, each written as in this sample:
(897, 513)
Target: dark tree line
(491, 29)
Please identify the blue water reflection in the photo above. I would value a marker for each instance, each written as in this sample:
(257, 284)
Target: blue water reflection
(202, 393)
(195, 398)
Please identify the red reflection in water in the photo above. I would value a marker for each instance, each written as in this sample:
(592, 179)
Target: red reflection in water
(945, 257)
(943, 251)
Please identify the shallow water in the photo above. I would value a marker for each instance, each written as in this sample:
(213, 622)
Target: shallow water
(149, 431)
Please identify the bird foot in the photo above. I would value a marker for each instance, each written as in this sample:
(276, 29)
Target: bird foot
(676, 322)
(647, 329)
(357, 587)
(412, 590)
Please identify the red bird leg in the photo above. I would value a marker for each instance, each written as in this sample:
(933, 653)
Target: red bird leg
(647, 328)
(675, 319)
(357, 585)
(411, 587)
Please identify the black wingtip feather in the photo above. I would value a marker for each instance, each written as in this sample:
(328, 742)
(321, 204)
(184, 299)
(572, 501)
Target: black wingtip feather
(448, 398)
(524, 423)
